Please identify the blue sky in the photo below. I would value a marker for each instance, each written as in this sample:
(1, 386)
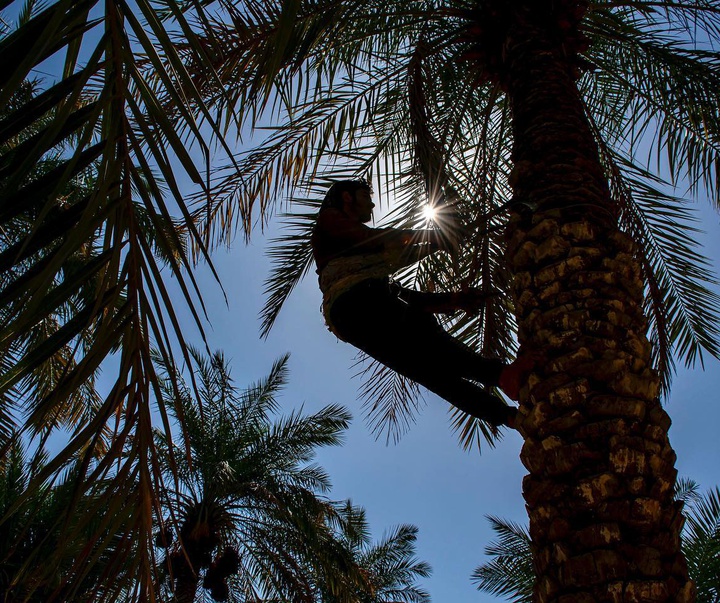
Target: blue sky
(425, 479)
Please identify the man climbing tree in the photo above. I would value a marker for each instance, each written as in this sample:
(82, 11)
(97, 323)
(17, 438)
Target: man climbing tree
(396, 325)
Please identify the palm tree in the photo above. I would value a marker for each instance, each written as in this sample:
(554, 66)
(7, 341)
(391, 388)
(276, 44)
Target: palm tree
(41, 561)
(389, 566)
(533, 119)
(509, 573)
(89, 170)
(245, 511)
(526, 115)
(701, 541)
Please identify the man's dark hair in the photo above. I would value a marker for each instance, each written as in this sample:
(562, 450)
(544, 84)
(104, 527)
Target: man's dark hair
(333, 198)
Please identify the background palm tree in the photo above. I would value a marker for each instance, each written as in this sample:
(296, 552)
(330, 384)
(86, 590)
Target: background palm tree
(42, 561)
(509, 573)
(246, 511)
(532, 120)
(389, 567)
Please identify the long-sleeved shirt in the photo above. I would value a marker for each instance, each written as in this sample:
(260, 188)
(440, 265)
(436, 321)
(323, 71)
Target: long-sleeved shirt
(348, 252)
(337, 235)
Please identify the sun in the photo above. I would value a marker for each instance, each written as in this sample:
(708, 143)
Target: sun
(430, 213)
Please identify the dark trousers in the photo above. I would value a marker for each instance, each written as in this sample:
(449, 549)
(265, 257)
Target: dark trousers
(408, 339)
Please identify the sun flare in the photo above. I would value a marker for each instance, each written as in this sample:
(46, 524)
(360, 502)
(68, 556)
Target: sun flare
(429, 213)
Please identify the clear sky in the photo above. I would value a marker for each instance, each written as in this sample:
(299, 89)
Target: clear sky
(426, 479)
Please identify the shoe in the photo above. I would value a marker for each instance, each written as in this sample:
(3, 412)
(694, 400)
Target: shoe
(514, 374)
(510, 418)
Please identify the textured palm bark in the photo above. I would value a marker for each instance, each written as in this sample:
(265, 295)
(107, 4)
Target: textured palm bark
(603, 520)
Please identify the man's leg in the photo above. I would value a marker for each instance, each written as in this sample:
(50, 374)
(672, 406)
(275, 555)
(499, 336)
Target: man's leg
(473, 366)
(435, 360)
(472, 399)
(412, 343)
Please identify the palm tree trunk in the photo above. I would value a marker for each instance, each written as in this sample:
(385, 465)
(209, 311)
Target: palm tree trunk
(186, 578)
(603, 520)
(186, 585)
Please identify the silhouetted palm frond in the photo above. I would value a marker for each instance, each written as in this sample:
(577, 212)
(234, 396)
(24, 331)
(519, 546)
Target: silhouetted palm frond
(95, 232)
(510, 572)
(391, 401)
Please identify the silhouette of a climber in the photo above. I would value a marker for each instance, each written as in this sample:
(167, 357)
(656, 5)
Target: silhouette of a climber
(396, 325)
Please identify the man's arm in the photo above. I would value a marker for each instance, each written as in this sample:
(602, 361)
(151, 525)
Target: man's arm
(343, 233)
(445, 303)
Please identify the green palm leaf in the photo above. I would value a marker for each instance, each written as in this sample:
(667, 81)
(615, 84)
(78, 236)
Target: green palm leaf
(389, 566)
(701, 544)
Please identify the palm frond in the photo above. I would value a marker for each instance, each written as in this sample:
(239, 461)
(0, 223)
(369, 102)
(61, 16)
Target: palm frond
(680, 297)
(390, 401)
(686, 490)
(701, 543)
(394, 567)
(353, 525)
(510, 572)
(291, 256)
(650, 61)
(471, 431)
(100, 121)
(259, 399)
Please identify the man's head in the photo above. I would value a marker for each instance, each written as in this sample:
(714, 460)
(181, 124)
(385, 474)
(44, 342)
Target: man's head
(354, 197)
